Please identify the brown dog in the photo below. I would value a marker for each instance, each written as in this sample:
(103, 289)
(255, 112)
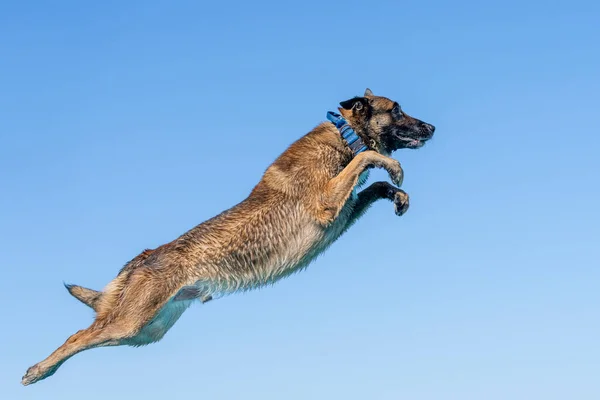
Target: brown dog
(306, 199)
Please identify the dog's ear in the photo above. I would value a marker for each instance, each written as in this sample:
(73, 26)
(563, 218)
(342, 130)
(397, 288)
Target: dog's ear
(368, 92)
(356, 104)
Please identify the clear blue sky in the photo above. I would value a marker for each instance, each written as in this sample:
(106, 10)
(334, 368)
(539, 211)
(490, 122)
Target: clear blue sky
(123, 124)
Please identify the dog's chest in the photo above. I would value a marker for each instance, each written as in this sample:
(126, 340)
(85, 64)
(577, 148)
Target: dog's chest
(362, 179)
(337, 228)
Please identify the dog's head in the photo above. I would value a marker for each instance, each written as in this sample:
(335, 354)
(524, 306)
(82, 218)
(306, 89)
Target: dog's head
(383, 125)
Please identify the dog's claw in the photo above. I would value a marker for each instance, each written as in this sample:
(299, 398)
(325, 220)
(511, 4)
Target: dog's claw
(397, 175)
(398, 179)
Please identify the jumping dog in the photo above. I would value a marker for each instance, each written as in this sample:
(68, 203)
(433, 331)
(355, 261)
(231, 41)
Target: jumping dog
(305, 200)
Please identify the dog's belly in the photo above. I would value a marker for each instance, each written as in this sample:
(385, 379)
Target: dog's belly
(164, 319)
(322, 241)
(307, 245)
(287, 249)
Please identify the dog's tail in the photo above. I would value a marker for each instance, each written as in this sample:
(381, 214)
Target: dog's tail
(87, 296)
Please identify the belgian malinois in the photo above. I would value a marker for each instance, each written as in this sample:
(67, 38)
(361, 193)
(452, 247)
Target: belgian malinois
(305, 200)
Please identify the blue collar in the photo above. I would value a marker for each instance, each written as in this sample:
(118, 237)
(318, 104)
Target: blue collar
(354, 141)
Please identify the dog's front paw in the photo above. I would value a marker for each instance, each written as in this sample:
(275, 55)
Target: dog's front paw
(396, 173)
(400, 202)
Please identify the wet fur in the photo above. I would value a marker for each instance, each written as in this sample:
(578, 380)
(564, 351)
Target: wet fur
(305, 200)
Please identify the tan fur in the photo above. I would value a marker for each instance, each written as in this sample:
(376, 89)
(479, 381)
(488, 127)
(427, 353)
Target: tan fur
(302, 204)
(87, 296)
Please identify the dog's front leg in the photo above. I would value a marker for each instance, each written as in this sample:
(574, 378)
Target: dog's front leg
(377, 191)
(339, 189)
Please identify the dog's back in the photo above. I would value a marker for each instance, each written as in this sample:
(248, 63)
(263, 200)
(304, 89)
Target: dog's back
(269, 235)
(273, 232)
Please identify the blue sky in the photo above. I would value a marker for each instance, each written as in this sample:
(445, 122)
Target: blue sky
(126, 123)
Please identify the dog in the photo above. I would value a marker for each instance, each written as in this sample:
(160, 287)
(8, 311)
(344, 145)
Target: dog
(304, 202)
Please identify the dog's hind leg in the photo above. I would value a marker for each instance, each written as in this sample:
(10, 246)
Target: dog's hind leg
(136, 309)
(94, 336)
(121, 320)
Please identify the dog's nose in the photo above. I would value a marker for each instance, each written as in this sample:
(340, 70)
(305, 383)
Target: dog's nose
(431, 128)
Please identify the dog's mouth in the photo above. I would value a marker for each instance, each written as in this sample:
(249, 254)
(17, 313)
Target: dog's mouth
(412, 137)
(413, 143)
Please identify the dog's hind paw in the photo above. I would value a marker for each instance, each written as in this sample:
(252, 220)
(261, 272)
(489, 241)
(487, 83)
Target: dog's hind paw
(31, 376)
(36, 373)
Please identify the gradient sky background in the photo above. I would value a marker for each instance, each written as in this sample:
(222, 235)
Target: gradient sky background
(123, 124)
